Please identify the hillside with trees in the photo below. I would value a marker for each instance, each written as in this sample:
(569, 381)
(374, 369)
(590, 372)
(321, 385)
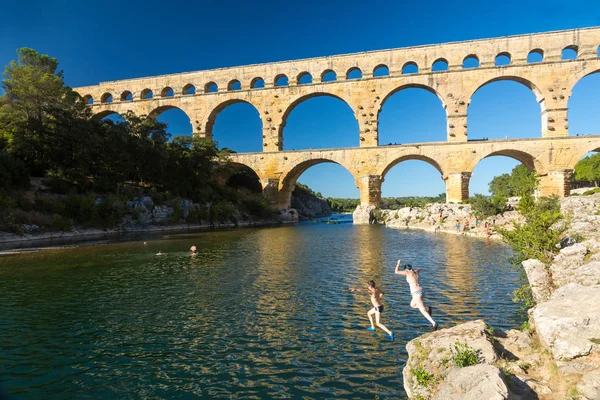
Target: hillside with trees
(87, 170)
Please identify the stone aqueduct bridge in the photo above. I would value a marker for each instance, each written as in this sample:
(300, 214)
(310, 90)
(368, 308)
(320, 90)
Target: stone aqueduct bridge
(203, 94)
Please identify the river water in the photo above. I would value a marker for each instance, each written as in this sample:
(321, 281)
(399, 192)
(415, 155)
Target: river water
(258, 313)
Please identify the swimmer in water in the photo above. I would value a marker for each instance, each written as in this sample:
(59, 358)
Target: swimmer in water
(160, 253)
(194, 250)
(412, 277)
(376, 295)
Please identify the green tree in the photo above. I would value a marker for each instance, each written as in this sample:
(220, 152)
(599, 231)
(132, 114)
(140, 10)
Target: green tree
(37, 109)
(538, 236)
(588, 169)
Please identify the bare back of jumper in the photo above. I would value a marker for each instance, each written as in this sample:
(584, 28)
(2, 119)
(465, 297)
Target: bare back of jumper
(413, 282)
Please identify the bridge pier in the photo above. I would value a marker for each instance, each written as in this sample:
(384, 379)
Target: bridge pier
(369, 187)
(279, 199)
(556, 182)
(457, 186)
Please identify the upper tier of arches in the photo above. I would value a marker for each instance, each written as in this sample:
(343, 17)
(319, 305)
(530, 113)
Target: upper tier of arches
(552, 47)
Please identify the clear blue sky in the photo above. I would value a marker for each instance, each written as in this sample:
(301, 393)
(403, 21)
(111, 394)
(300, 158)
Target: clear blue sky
(101, 41)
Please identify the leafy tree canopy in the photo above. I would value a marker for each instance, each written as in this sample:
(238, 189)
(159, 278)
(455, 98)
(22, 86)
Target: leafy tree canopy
(588, 169)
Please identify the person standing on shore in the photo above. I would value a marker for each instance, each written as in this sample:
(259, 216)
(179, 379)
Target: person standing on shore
(416, 291)
(376, 295)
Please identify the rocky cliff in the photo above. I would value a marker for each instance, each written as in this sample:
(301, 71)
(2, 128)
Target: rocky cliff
(308, 204)
(558, 357)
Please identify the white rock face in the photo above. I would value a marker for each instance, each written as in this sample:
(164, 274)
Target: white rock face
(539, 279)
(568, 321)
(477, 382)
(363, 215)
(431, 352)
(590, 386)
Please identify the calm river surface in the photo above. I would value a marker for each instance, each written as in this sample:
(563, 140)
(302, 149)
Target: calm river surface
(258, 313)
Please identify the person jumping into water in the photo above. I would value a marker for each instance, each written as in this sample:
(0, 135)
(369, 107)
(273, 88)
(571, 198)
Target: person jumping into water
(376, 295)
(412, 277)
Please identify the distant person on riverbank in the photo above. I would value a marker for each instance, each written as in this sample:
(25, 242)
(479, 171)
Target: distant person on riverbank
(194, 250)
(412, 277)
(376, 295)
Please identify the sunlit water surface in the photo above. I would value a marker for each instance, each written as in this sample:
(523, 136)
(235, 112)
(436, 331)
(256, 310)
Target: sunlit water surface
(258, 313)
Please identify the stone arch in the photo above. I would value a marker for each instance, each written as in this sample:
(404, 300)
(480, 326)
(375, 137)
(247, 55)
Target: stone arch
(408, 67)
(585, 72)
(159, 110)
(528, 160)
(326, 72)
(126, 96)
(502, 59)
(566, 52)
(580, 152)
(384, 130)
(471, 58)
(211, 87)
(290, 176)
(304, 76)
(442, 65)
(410, 86)
(146, 94)
(188, 89)
(354, 70)
(523, 81)
(227, 179)
(277, 83)
(234, 84)
(103, 114)
(381, 70)
(419, 157)
(106, 98)
(301, 99)
(212, 116)
(534, 54)
(257, 83)
(88, 99)
(167, 92)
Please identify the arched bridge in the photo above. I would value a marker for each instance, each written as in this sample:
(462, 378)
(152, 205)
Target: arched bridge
(452, 71)
(552, 158)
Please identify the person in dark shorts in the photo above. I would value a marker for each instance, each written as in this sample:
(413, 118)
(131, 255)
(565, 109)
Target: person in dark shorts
(376, 295)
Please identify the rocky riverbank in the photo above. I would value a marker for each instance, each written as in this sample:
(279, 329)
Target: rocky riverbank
(557, 356)
(456, 219)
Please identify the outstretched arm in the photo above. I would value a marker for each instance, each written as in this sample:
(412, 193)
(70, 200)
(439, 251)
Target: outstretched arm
(356, 290)
(397, 268)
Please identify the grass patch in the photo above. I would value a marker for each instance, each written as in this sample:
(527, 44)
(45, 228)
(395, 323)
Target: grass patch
(463, 355)
(595, 340)
(424, 378)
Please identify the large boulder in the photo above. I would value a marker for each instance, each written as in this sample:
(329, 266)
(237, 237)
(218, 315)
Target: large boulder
(569, 325)
(432, 354)
(363, 215)
(539, 279)
(566, 263)
(477, 382)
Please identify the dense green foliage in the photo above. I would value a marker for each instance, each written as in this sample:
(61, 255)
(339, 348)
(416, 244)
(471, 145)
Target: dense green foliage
(46, 131)
(520, 182)
(483, 207)
(302, 191)
(538, 236)
(387, 203)
(587, 170)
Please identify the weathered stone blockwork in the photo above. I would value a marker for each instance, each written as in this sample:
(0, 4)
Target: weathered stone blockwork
(551, 80)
